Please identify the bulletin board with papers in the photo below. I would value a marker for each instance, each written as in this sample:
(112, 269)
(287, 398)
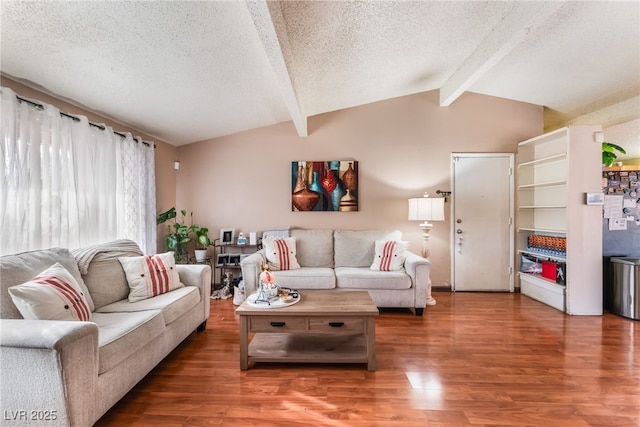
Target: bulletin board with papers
(621, 198)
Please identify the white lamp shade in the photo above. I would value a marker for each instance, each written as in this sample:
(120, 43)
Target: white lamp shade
(426, 209)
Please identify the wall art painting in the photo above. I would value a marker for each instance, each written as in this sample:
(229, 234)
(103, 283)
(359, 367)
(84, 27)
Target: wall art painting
(324, 186)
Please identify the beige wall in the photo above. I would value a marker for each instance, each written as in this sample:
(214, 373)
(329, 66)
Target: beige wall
(165, 152)
(403, 147)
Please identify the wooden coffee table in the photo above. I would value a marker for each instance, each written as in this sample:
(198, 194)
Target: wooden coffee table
(323, 327)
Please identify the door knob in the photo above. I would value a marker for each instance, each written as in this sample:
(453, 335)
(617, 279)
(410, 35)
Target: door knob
(458, 231)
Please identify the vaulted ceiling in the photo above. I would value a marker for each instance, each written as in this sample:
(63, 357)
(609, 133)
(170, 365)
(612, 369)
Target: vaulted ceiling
(186, 71)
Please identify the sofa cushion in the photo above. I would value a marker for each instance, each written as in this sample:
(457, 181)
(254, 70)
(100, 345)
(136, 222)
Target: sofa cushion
(104, 275)
(52, 295)
(281, 253)
(389, 255)
(150, 275)
(307, 278)
(172, 304)
(356, 248)
(364, 278)
(20, 268)
(121, 335)
(314, 248)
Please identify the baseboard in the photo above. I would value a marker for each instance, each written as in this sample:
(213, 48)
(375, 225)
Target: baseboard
(448, 289)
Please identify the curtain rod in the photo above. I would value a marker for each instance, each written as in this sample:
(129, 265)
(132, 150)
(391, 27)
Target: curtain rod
(62, 113)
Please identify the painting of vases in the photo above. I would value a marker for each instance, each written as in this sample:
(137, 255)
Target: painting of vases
(324, 186)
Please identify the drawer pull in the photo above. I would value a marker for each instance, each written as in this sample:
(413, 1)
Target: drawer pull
(336, 324)
(278, 324)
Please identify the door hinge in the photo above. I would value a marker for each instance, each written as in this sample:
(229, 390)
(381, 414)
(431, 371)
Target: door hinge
(510, 171)
(510, 271)
(510, 221)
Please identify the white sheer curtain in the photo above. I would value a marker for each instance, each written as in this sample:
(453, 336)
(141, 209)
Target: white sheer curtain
(68, 183)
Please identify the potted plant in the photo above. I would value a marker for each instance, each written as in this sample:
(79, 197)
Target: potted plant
(202, 242)
(178, 236)
(608, 153)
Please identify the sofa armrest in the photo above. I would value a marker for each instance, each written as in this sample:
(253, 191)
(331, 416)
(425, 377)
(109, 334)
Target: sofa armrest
(419, 269)
(198, 275)
(251, 268)
(48, 372)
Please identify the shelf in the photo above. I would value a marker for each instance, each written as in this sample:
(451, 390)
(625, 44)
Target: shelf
(543, 207)
(308, 348)
(541, 230)
(548, 159)
(230, 255)
(235, 245)
(547, 137)
(217, 244)
(542, 184)
(622, 168)
(543, 255)
(543, 290)
(554, 170)
(541, 280)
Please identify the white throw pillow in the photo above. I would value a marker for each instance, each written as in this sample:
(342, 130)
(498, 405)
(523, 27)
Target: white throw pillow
(150, 275)
(53, 294)
(281, 253)
(389, 255)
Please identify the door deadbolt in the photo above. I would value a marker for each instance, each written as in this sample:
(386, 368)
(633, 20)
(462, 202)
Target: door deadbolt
(458, 231)
(459, 221)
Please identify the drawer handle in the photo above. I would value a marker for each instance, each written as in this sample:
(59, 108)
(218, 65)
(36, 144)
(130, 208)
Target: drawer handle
(336, 324)
(278, 324)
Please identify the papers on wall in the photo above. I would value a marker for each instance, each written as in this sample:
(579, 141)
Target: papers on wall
(613, 206)
(617, 223)
(621, 200)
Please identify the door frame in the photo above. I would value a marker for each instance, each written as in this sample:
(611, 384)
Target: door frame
(512, 194)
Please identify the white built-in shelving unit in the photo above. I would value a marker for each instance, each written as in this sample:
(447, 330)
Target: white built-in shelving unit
(554, 171)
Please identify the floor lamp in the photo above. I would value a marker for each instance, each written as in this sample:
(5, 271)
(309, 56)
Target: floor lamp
(426, 209)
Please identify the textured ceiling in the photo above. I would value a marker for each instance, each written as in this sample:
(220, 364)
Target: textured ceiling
(186, 71)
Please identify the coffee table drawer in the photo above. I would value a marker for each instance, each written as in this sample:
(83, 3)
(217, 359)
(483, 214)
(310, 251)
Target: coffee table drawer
(337, 326)
(277, 324)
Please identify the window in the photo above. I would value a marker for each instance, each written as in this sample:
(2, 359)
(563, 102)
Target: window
(67, 182)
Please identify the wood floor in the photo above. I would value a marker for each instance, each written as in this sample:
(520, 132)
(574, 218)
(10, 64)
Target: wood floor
(474, 359)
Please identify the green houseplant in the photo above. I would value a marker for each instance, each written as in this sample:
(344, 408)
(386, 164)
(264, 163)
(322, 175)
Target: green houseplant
(178, 236)
(202, 242)
(608, 153)
(202, 238)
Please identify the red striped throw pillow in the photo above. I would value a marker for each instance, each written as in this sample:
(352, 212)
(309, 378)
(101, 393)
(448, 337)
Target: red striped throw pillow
(389, 255)
(150, 275)
(281, 253)
(53, 294)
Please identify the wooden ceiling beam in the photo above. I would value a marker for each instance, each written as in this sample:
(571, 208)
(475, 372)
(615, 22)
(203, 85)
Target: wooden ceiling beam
(269, 22)
(509, 33)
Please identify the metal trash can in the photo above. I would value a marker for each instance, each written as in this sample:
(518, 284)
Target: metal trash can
(607, 280)
(625, 299)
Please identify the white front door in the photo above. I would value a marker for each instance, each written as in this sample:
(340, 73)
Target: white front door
(482, 222)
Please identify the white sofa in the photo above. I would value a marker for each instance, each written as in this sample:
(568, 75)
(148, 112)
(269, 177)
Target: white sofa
(69, 373)
(341, 260)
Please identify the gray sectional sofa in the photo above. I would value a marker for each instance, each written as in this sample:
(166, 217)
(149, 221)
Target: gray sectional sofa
(69, 373)
(341, 260)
